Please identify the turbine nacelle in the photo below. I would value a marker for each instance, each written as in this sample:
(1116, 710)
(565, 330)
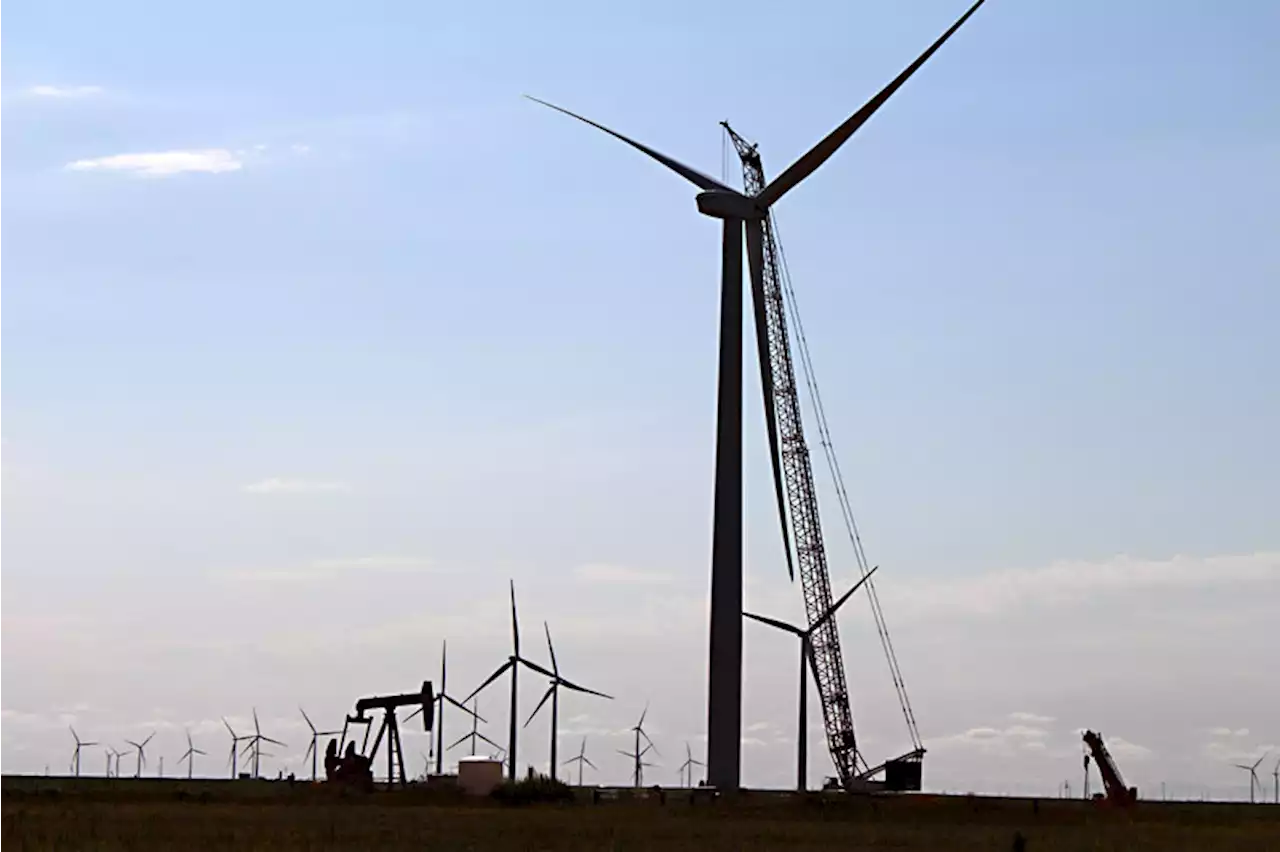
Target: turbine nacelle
(726, 204)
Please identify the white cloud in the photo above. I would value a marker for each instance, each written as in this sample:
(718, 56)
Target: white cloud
(276, 485)
(163, 163)
(47, 91)
(600, 572)
(1073, 582)
(1031, 718)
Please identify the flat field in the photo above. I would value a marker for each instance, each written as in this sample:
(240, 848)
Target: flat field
(41, 814)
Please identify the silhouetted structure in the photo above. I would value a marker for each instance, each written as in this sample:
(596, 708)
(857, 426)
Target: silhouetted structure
(553, 692)
(390, 728)
(739, 211)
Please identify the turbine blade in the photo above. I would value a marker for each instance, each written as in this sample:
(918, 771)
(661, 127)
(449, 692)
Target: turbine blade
(694, 176)
(464, 708)
(308, 718)
(228, 724)
(755, 260)
(773, 622)
(640, 724)
(462, 739)
(274, 742)
(515, 624)
(537, 668)
(820, 153)
(414, 713)
(497, 674)
(148, 739)
(570, 685)
(491, 742)
(588, 762)
(311, 746)
(551, 650)
(835, 606)
(545, 696)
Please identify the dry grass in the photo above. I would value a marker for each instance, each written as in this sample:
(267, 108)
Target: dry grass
(247, 816)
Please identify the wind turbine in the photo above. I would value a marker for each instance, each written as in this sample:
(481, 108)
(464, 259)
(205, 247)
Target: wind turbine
(256, 740)
(738, 211)
(514, 662)
(475, 735)
(553, 692)
(80, 744)
(443, 697)
(1253, 775)
(582, 760)
(142, 755)
(236, 739)
(637, 756)
(313, 750)
(688, 765)
(1275, 781)
(806, 659)
(189, 755)
(117, 755)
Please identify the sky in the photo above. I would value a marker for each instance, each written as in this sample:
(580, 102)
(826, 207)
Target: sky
(315, 334)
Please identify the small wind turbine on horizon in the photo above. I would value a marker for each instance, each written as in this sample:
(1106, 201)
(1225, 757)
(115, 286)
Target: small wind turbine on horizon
(189, 756)
(116, 755)
(553, 692)
(474, 736)
(236, 739)
(142, 755)
(806, 660)
(581, 759)
(313, 749)
(80, 744)
(1253, 776)
(513, 663)
(256, 739)
(1275, 782)
(686, 768)
(637, 756)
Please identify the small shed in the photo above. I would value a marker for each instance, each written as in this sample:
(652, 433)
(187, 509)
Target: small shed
(479, 776)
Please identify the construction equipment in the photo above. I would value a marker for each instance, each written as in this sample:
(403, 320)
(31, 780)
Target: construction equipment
(390, 728)
(1116, 791)
(769, 296)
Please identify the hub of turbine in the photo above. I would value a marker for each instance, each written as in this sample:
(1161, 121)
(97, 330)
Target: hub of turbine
(720, 204)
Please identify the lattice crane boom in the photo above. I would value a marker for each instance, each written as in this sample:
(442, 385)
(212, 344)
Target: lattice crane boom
(802, 505)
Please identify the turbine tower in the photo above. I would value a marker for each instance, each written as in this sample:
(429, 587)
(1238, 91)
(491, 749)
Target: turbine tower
(236, 739)
(806, 660)
(637, 756)
(738, 212)
(474, 734)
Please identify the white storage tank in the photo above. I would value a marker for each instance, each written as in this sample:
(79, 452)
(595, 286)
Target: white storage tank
(479, 776)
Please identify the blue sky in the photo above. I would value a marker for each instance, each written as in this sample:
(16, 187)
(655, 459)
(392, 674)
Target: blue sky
(1039, 288)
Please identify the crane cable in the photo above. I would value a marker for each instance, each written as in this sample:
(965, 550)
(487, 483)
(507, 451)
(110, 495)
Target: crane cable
(833, 464)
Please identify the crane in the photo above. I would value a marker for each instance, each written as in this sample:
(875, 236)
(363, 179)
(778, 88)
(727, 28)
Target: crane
(1112, 782)
(826, 660)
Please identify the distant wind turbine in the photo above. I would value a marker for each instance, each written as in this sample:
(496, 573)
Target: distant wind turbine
(474, 736)
(442, 698)
(553, 692)
(637, 756)
(581, 759)
(142, 755)
(687, 766)
(80, 744)
(255, 743)
(313, 749)
(189, 755)
(1253, 776)
(513, 663)
(806, 660)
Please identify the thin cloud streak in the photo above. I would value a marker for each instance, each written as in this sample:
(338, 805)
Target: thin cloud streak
(163, 163)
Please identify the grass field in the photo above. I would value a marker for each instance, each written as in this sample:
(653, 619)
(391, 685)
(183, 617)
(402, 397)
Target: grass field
(46, 814)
